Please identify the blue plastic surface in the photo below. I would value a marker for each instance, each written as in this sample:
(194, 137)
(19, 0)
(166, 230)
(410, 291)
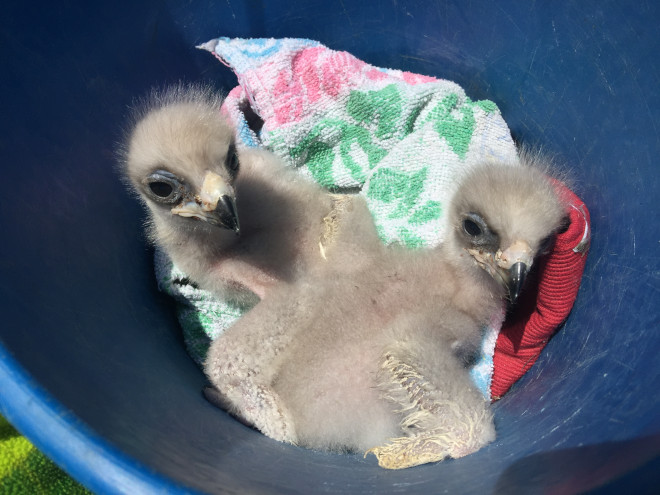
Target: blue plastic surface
(92, 366)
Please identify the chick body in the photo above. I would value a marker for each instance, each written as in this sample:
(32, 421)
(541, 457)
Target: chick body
(362, 351)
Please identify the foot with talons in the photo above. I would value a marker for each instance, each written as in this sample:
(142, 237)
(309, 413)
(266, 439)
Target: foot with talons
(432, 446)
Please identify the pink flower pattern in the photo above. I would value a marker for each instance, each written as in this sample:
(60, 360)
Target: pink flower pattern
(315, 73)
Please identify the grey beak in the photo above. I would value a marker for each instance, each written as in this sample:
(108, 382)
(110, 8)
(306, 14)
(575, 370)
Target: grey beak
(517, 274)
(226, 215)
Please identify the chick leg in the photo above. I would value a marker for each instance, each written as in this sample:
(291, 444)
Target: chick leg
(244, 362)
(241, 365)
(444, 415)
(257, 406)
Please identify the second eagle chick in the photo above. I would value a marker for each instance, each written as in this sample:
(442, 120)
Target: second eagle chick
(363, 351)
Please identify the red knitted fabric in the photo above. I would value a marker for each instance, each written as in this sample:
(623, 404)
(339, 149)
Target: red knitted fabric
(546, 302)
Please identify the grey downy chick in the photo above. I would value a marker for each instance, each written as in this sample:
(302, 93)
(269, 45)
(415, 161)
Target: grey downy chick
(362, 352)
(236, 221)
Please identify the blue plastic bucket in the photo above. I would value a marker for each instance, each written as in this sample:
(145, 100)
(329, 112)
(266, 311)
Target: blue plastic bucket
(92, 366)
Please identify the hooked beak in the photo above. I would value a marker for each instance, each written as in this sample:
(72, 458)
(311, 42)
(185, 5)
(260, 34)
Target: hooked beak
(516, 261)
(508, 267)
(517, 274)
(225, 214)
(215, 204)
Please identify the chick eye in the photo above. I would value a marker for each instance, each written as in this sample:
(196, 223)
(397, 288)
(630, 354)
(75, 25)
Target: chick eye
(232, 159)
(564, 225)
(164, 187)
(161, 189)
(546, 244)
(477, 233)
(471, 228)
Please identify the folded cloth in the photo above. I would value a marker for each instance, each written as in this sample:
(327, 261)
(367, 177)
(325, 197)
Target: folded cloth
(399, 139)
(23, 469)
(547, 301)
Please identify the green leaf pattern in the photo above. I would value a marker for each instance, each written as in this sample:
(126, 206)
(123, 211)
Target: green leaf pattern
(356, 146)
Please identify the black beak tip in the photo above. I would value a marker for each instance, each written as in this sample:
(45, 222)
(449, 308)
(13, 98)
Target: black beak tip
(227, 215)
(518, 273)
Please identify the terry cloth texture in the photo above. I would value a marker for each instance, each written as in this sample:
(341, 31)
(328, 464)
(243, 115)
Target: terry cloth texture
(401, 140)
(25, 470)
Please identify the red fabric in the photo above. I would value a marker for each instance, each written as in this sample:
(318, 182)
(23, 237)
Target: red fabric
(546, 301)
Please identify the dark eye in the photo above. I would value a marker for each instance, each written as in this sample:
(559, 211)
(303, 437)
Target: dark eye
(163, 186)
(161, 189)
(232, 159)
(471, 228)
(477, 233)
(565, 224)
(546, 244)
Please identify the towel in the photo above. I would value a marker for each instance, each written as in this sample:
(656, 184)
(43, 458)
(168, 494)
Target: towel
(23, 469)
(401, 140)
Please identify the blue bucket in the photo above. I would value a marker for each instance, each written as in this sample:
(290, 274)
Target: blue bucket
(92, 365)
